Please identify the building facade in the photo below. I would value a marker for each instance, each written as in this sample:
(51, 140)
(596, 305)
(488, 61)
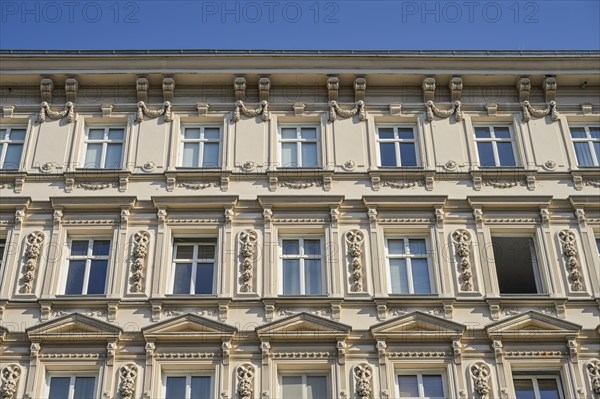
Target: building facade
(359, 225)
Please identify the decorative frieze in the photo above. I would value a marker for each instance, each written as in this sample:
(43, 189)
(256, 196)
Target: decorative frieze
(395, 312)
(92, 312)
(480, 372)
(245, 381)
(513, 311)
(172, 312)
(96, 186)
(262, 110)
(335, 111)
(354, 241)
(363, 376)
(462, 246)
(127, 380)
(142, 110)
(141, 240)
(593, 371)
(33, 250)
(184, 355)
(318, 311)
(419, 355)
(300, 184)
(301, 355)
(550, 109)
(46, 112)
(569, 250)
(9, 381)
(247, 240)
(198, 185)
(432, 111)
(400, 184)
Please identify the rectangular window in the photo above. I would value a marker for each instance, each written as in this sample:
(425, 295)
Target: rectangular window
(421, 385)
(299, 147)
(516, 265)
(598, 245)
(194, 266)
(494, 146)
(397, 146)
(302, 266)
(537, 387)
(11, 147)
(201, 147)
(188, 387)
(305, 386)
(72, 387)
(104, 147)
(586, 140)
(2, 250)
(87, 267)
(408, 265)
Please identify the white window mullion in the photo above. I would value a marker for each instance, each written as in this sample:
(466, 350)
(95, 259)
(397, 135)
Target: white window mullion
(194, 269)
(301, 266)
(72, 387)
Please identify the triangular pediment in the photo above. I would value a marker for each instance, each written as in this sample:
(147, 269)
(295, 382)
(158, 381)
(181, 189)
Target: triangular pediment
(189, 327)
(74, 326)
(303, 326)
(532, 326)
(418, 326)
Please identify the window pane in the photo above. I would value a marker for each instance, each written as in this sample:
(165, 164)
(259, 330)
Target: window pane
(312, 247)
(211, 155)
(408, 155)
(93, 154)
(409, 386)
(486, 154)
(420, 275)
(212, 133)
(524, 389)
(191, 133)
(502, 132)
(417, 247)
(113, 156)
(309, 133)
(19, 134)
(291, 247)
(59, 387)
(182, 278)
(398, 276)
(433, 387)
(386, 133)
(13, 156)
(200, 388)
(291, 277)
(96, 134)
(482, 132)
(548, 389)
(309, 155)
(292, 387)
(204, 278)
(288, 133)
(316, 387)
(396, 247)
(584, 156)
(175, 388)
(184, 252)
(594, 132)
(84, 388)
(191, 153)
(75, 277)
(506, 155)
(406, 133)
(313, 277)
(97, 278)
(101, 247)
(387, 153)
(115, 134)
(206, 252)
(578, 133)
(289, 155)
(79, 248)
(597, 151)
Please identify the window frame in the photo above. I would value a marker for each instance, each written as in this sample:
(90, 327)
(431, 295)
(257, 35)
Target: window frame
(589, 140)
(5, 142)
(73, 377)
(536, 388)
(301, 256)
(299, 141)
(408, 256)
(493, 140)
(105, 141)
(397, 141)
(295, 373)
(193, 241)
(188, 380)
(537, 273)
(419, 374)
(201, 141)
(88, 258)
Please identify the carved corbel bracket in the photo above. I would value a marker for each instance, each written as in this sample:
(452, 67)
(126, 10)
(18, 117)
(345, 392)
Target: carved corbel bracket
(46, 87)
(239, 86)
(381, 351)
(143, 110)
(298, 108)
(335, 111)
(341, 350)
(573, 349)
(264, 87)
(333, 87)
(202, 108)
(360, 89)
(428, 87)
(524, 89)
(141, 88)
(240, 109)
(457, 350)
(549, 85)
(168, 88)
(265, 348)
(46, 112)
(455, 110)
(71, 88)
(456, 86)
(106, 110)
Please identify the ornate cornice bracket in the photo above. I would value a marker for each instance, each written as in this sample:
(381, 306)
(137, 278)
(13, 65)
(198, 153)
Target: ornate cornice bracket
(241, 109)
(142, 110)
(524, 89)
(333, 87)
(456, 87)
(46, 88)
(141, 88)
(239, 87)
(549, 85)
(168, 88)
(360, 89)
(264, 87)
(428, 87)
(71, 88)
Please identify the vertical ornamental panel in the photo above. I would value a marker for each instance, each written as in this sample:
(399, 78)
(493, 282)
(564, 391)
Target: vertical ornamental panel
(462, 246)
(128, 375)
(141, 239)
(33, 250)
(245, 381)
(9, 377)
(247, 239)
(569, 250)
(480, 372)
(363, 375)
(354, 241)
(593, 370)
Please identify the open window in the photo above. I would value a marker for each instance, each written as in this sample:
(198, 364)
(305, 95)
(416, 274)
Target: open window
(516, 265)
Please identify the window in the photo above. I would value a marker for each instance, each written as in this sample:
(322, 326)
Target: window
(2, 249)
(188, 387)
(598, 245)
(516, 265)
(397, 146)
(11, 147)
(408, 266)
(104, 148)
(88, 267)
(304, 386)
(299, 147)
(421, 385)
(586, 141)
(537, 387)
(494, 146)
(193, 265)
(201, 147)
(302, 266)
(72, 387)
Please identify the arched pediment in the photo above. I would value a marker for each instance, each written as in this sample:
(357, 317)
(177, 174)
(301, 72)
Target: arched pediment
(74, 326)
(303, 327)
(418, 326)
(532, 325)
(189, 327)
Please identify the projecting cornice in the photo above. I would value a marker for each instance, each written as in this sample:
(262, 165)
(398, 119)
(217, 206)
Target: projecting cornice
(216, 202)
(189, 328)
(532, 326)
(303, 327)
(73, 327)
(304, 202)
(107, 203)
(404, 201)
(418, 326)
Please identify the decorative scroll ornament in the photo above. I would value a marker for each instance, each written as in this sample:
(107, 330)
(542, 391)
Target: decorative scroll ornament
(140, 251)
(33, 251)
(481, 375)
(128, 375)
(432, 111)
(363, 373)
(45, 111)
(335, 110)
(247, 240)
(9, 377)
(245, 380)
(567, 240)
(355, 240)
(262, 110)
(593, 370)
(462, 243)
(142, 110)
(528, 110)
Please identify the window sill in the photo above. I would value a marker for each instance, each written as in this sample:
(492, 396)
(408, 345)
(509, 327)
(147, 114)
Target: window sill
(191, 295)
(78, 296)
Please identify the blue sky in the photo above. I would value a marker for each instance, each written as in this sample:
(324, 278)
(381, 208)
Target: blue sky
(300, 24)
